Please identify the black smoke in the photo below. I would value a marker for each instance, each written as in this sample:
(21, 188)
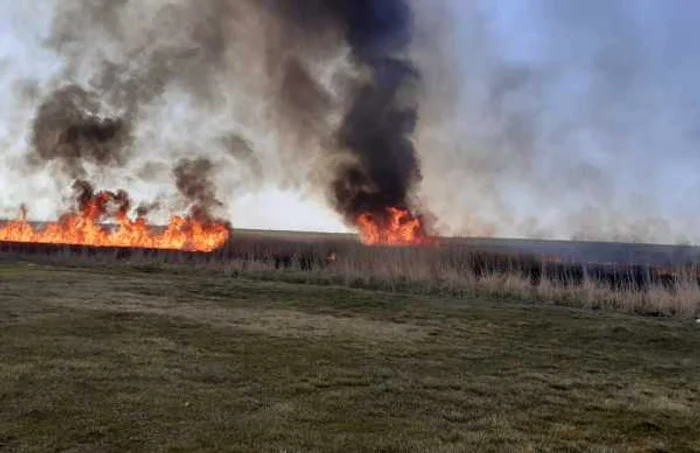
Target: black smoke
(382, 113)
(378, 126)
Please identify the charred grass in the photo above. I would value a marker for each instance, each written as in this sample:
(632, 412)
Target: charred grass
(117, 359)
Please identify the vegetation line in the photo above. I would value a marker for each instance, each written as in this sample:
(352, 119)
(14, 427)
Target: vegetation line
(427, 271)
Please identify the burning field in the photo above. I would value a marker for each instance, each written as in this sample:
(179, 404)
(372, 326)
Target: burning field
(391, 250)
(343, 97)
(88, 225)
(103, 219)
(397, 227)
(366, 162)
(139, 317)
(352, 103)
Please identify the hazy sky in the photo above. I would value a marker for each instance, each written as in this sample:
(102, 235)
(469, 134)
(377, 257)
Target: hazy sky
(577, 118)
(569, 118)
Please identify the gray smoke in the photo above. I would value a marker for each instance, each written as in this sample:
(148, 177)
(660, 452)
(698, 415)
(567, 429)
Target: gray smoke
(69, 129)
(569, 120)
(193, 179)
(565, 119)
(140, 55)
(255, 88)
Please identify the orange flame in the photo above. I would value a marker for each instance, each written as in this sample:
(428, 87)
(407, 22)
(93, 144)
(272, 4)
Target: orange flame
(397, 227)
(85, 227)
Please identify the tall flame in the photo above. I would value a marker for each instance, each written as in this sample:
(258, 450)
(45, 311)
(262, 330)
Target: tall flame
(395, 227)
(85, 226)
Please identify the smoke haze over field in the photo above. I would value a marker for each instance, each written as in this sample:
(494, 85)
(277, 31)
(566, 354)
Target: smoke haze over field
(544, 118)
(573, 119)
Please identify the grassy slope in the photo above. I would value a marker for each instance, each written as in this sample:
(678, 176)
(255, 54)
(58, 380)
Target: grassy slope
(97, 361)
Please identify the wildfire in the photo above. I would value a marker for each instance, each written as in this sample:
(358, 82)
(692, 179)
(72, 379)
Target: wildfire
(396, 227)
(86, 226)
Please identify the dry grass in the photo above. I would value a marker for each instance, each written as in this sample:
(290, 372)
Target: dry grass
(425, 272)
(158, 359)
(432, 271)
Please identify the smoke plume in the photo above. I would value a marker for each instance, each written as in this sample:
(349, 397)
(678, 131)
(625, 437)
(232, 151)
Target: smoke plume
(556, 119)
(142, 55)
(383, 114)
(193, 179)
(69, 130)
(383, 169)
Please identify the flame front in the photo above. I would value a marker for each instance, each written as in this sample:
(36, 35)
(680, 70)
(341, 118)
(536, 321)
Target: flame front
(395, 227)
(85, 227)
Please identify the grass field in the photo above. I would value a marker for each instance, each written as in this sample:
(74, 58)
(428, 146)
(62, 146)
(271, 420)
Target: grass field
(116, 359)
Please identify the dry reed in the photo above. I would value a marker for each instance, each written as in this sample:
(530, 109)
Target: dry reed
(430, 271)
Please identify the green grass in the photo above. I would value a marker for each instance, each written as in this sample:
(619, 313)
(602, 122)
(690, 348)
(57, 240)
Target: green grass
(122, 360)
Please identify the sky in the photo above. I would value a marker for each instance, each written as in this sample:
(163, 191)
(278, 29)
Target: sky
(563, 118)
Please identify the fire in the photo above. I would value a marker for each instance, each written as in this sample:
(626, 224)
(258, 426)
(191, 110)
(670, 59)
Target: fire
(397, 227)
(85, 226)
